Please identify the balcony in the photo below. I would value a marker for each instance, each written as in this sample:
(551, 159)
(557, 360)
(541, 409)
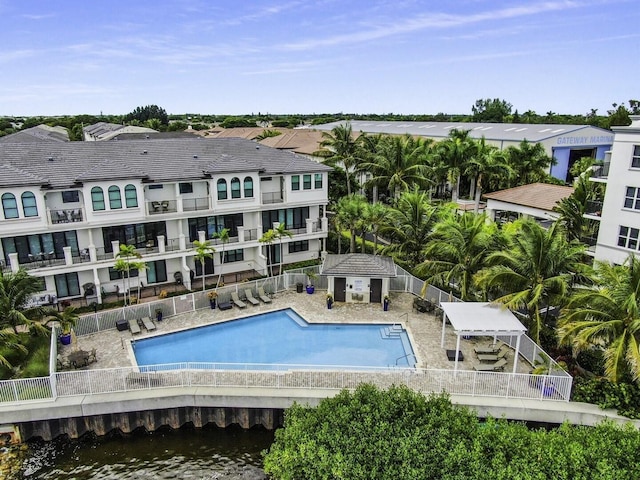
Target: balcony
(590, 242)
(272, 197)
(157, 207)
(195, 204)
(72, 215)
(593, 208)
(600, 171)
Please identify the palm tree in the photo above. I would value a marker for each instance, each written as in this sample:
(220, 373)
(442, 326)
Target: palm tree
(486, 163)
(529, 163)
(377, 217)
(203, 250)
(10, 340)
(340, 148)
(536, 270)
(281, 232)
(399, 164)
(127, 253)
(349, 213)
(455, 151)
(268, 238)
(411, 220)
(573, 208)
(16, 290)
(223, 236)
(607, 316)
(457, 249)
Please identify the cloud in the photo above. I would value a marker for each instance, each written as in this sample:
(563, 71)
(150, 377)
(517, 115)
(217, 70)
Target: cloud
(43, 16)
(9, 56)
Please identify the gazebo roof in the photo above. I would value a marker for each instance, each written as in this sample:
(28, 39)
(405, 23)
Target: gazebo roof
(358, 265)
(481, 318)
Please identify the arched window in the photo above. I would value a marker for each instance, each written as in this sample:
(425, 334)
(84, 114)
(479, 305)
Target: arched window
(10, 206)
(115, 200)
(222, 189)
(97, 199)
(131, 196)
(29, 205)
(248, 187)
(235, 187)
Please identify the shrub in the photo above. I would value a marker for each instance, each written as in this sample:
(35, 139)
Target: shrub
(624, 397)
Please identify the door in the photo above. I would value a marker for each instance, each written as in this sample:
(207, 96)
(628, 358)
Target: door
(376, 290)
(340, 289)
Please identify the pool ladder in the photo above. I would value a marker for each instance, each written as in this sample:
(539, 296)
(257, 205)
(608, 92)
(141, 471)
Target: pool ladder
(415, 359)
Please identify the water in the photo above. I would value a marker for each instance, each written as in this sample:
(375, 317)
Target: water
(281, 337)
(208, 453)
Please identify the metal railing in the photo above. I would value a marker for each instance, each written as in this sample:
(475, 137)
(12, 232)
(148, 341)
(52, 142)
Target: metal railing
(594, 208)
(156, 207)
(194, 204)
(272, 197)
(600, 171)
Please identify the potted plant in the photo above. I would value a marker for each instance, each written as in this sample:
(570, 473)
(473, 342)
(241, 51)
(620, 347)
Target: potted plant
(213, 296)
(66, 320)
(159, 314)
(385, 303)
(311, 276)
(329, 301)
(541, 368)
(163, 294)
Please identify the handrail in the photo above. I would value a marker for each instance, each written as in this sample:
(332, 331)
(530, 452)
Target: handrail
(407, 356)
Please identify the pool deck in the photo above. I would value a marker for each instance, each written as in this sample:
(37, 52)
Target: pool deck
(113, 346)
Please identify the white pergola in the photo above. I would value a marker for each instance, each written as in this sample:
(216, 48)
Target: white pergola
(481, 319)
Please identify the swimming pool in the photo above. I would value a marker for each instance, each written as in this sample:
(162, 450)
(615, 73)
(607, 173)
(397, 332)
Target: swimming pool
(281, 337)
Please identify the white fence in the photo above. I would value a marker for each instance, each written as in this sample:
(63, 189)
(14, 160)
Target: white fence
(555, 386)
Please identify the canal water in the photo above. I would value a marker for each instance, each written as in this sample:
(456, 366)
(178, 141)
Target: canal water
(208, 453)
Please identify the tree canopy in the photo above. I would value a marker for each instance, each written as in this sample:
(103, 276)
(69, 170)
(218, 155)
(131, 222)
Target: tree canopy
(146, 113)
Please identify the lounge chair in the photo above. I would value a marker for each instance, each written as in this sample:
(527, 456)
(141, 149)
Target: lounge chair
(491, 367)
(263, 296)
(239, 303)
(250, 298)
(491, 350)
(494, 358)
(134, 327)
(148, 323)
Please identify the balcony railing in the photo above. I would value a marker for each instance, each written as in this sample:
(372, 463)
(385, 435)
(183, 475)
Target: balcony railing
(173, 244)
(593, 208)
(272, 197)
(156, 207)
(251, 234)
(71, 215)
(600, 171)
(194, 204)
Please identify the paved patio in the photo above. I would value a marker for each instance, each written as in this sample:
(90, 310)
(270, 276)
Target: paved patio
(424, 329)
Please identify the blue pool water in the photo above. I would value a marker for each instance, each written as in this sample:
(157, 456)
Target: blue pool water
(280, 337)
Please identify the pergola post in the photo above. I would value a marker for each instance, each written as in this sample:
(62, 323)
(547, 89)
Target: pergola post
(515, 360)
(455, 367)
(444, 321)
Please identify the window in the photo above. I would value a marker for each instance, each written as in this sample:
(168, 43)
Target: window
(70, 196)
(115, 200)
(306, 182)
(318, 180)
(635, 159)
(117, 275)
(186, 187)
(222, 189)
(632, 198)
(234, 255)
(131, 196)
(248, 187)
(299, 246)
(295, 182)
(628, 237)
(208, 267)
(67, 285)
(29, 205)
(156, 187)
(235, 187)
(29, 247)
(214, 224)
(156, 271)
(10, 206)
(291, 217)
(133, 234)
(97, 199)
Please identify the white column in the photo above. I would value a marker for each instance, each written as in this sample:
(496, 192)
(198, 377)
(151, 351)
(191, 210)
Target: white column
(455, 367)
(444, 321)
(240, 234)
(515, 360)
(161, 246)
(13, 261)
(68, 259)
(202, 236)
(115, 246)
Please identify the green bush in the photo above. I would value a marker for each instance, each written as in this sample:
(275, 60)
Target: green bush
(624, 397)
(400, 434)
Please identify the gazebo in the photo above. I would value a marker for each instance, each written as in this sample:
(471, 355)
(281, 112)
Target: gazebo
(481, 319)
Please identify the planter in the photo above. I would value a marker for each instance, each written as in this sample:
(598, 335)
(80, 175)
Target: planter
(329, 305)
(299, 287)
(212, 303)
(310, 289)
(385, 305)
(159, 316)
(65, 339)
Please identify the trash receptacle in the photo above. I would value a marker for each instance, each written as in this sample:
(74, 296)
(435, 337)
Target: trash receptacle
(122, 325)
(299, 287)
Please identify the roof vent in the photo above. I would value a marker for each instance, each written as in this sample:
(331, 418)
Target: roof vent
(144, 152)
(257, 147)
(195, 156)
(50, 158)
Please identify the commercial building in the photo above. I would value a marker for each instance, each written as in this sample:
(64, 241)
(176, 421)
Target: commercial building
(67, 207)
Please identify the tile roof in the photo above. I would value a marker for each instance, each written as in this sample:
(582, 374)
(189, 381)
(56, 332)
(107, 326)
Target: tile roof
(359, 265)
(61, 165)
(544, 196)
(39, 133)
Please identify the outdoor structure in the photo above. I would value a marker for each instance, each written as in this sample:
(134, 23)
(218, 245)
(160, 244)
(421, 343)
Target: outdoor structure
(67, 208)
(39, 133)
(101, 131)
(535, 200)
(619, 214)
(565, 143)
(470, 319)
(358, 277)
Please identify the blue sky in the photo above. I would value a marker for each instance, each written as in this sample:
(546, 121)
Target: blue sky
(297, 56)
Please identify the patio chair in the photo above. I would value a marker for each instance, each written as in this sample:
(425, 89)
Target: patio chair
(490, 350)
(239, 303)
(250, 298)
(494, 358)
(491, 367)
(148, 323)
(93, 355)
(263, 296)
(134, 327)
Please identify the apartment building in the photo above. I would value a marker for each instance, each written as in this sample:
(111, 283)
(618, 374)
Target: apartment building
(67, 207)
(619, 214)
